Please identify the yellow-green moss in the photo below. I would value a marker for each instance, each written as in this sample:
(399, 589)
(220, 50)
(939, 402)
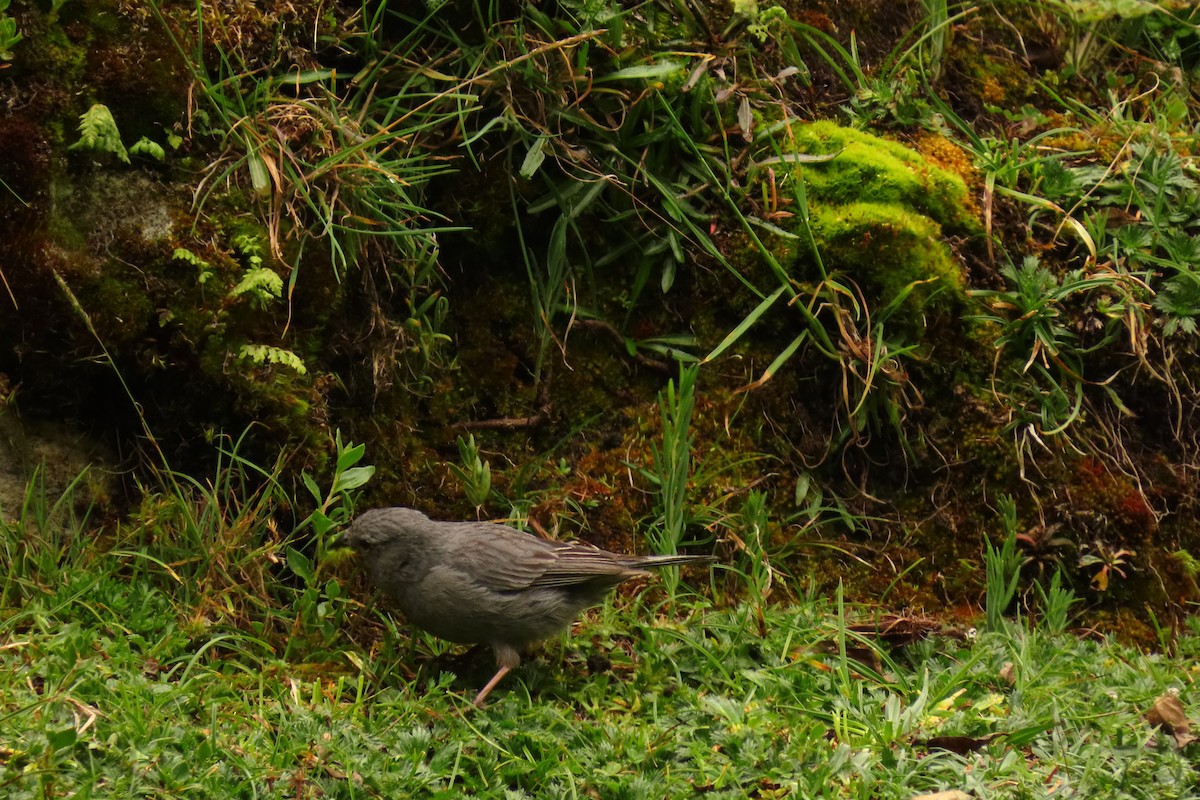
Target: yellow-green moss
(887, 248)
(877, 211)
(869, 168)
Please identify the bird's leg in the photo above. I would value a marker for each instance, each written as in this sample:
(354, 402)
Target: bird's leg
(500, 673)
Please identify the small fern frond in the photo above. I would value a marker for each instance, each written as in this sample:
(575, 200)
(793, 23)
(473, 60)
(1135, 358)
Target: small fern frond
(264, 284)
(98, 133)
(149, 148)
(203, 268)
(266, 354)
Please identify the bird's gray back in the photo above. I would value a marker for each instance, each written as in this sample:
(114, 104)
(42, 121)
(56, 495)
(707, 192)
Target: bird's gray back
(494, 583)
(485, 582)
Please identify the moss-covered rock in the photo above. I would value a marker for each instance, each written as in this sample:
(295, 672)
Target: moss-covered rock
(891, 252)
(879, 214)
(869, 168)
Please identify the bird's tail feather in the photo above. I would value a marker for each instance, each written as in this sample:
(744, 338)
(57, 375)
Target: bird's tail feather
(653, 562)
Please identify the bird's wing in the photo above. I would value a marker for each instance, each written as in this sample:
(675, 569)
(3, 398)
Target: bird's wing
(580, 563)
(506, 559)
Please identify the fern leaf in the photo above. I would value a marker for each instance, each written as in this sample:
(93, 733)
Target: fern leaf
(266, 354)
(98, 133)
(264, 284)
(148, 147)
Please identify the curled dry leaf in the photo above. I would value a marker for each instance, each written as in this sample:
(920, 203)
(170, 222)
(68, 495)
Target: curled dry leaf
(1168, 713)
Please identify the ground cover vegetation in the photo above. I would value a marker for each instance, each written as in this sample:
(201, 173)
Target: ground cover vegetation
(892, 306)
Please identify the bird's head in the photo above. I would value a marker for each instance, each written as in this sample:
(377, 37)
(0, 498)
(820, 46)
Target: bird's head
(382, 526)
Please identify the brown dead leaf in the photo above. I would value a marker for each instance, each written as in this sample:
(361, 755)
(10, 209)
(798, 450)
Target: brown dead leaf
(1169, 714)
(949, 794)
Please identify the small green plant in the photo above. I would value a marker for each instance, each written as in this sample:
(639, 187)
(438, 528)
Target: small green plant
(672, 459)
(261, 283)
(1141, 212)
(672, 469)
(1030, 312)
(1105, 562)
(676, 346)
(550, 288)
(752, 536)
(1036, 326)
(203, 268)
(1093, 30)
(1002, 566)
(335, 506)
(1190, 566)
(475, 474)
(1178, 300)
(42, 535)
(9, 35)
(1056, 602)
(98, 134)
(321, 605)
(215, 528)
(149, 148)
(936, 42)
(769, 24)
(347, 185)
(895, 90)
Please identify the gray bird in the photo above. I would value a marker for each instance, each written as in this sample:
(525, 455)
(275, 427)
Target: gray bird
(482, 582)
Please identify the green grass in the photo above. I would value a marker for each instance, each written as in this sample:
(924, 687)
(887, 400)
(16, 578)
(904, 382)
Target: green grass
(115, 681)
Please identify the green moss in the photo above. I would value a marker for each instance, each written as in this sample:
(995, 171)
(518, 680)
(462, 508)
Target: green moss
(998, 82)
(869, 168)
(126, 310)
(50, 54)
(60, 225)
(877, 211)
(887, 248)
(102, 16)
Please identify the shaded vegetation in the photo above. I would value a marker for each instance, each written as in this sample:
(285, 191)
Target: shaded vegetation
(515, 222)
(894, 297)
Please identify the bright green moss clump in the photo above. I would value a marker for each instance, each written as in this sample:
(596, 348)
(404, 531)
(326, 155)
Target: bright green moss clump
(878, 211)
(868, 168)
(887, 248)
